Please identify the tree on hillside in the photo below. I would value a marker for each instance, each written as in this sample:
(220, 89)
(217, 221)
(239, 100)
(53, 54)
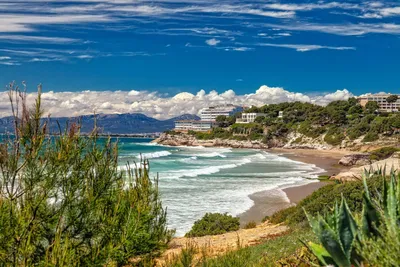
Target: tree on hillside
(231, 120)
(356, 109)
(392, 99)
(64, 201)
(253, 109)
(371, 107)
(259, 119)
(352, 101)
(221, 120)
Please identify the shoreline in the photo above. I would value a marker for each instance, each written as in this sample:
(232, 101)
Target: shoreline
(268, 202)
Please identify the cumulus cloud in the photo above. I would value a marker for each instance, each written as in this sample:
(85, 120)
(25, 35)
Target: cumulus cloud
(213, 42)
(67, 104)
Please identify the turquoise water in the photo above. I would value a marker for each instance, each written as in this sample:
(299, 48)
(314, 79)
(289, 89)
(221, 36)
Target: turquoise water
(196, 180)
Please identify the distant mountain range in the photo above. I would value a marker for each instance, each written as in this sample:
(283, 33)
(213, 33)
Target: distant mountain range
(130, 123)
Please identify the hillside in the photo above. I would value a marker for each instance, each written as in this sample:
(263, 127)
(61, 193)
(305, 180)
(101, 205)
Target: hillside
(130, 123)
(339, 125)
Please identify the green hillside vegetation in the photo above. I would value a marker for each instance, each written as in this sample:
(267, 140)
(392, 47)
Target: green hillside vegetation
(338, 120)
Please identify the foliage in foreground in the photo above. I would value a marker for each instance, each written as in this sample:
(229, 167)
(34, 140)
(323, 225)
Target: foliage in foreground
(63, 201)
(214, 224)
(347, 242)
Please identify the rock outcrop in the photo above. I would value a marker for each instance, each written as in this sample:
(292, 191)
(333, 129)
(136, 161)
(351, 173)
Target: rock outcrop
(357, 172)
(356, 159)
(189, 140)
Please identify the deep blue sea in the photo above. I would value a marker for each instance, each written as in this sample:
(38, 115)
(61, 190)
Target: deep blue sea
(196, 180)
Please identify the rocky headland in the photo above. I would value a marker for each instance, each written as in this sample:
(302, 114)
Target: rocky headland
(189, 140)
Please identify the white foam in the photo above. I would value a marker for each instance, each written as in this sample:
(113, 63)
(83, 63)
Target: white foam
(188, 159)
(202, 171)
(211, 155)
(153, 155)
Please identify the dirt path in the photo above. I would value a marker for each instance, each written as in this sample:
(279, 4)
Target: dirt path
(220, 244)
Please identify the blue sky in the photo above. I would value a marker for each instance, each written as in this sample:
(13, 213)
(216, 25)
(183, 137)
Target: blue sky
(173, 46)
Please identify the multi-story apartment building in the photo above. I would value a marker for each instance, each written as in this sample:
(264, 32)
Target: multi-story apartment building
(384, 106)
(193, 125)
(250, 117)
(209, 114)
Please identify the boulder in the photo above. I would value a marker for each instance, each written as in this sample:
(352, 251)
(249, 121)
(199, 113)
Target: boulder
(396, 155)
(355, 159)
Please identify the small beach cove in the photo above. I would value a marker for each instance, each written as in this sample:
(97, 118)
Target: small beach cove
(249, 183)
(268, 202)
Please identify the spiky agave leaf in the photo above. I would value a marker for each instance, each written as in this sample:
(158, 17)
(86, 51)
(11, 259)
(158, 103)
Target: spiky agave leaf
(370, 218)
(391, 204)
(314, 224)
(331, 242)
(347, 228)
(370, 215)
(320, 252)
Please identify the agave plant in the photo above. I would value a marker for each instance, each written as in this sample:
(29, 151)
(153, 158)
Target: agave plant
(339, 233)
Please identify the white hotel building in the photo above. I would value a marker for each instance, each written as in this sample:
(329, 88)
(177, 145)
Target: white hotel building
(381, 100)
(250, 117)
(192, 125)
(208, 116)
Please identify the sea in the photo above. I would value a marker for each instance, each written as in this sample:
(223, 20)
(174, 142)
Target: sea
(197, 180)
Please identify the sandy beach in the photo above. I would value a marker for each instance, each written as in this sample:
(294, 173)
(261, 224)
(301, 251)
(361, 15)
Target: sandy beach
(268, 202)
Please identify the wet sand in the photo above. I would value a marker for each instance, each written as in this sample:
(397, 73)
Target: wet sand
(268, 202)
(325, 159)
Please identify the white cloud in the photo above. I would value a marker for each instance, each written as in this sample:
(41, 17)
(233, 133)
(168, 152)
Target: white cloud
(308, 7)
(26, 22)
(348, 29)
(36, 39)
(85, 56)
(213, 42)
(238, 49)
(153, 104)
(390, 11)
(9, 63)
(306, 48)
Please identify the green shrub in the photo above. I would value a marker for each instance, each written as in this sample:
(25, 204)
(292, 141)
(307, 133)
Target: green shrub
(323, 177)
(370, 137)
(214, 224)
(358, 130)
(298, 140)
(239, 138)
(67, 203)
(383, 153)
(310, 130)
(256, 136)
(250, 225)
(334, 136)
(172, 132)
